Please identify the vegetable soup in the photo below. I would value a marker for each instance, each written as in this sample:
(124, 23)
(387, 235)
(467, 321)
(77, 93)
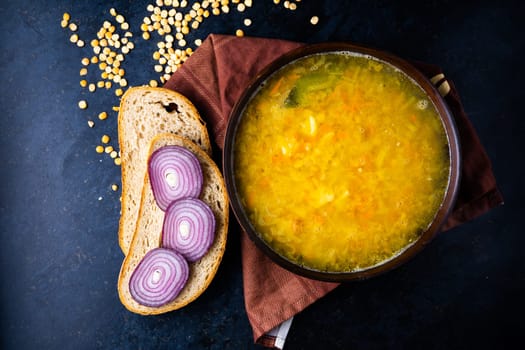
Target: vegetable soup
(341, 162)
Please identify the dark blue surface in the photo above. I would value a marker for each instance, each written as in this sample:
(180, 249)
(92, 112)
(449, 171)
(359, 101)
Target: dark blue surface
(59, 255)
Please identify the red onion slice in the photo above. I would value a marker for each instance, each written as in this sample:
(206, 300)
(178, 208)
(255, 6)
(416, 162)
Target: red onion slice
(175, 173)
(189, 228)
(159, 277)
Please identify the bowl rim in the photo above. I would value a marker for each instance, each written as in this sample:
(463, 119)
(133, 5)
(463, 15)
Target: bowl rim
(449, 125)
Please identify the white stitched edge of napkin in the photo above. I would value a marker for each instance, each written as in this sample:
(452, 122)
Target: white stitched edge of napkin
(280, 332)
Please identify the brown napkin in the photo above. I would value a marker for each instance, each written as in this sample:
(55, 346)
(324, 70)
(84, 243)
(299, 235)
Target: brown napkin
(214, 78)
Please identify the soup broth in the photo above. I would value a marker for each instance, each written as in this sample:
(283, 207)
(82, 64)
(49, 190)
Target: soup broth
(341, 162)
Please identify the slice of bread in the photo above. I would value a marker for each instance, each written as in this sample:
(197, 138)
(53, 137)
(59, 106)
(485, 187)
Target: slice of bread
(148, 233)
(145, 112)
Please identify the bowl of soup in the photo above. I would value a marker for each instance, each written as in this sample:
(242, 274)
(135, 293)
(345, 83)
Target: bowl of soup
(341, 161)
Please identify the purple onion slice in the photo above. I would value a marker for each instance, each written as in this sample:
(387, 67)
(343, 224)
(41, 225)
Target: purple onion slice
(174, 173)
(159, 277)
(189, 228)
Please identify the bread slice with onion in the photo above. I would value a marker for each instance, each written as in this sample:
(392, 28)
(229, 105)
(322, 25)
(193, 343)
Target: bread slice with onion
(148, 233)
(144, 113)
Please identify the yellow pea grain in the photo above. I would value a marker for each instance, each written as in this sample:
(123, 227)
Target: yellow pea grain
(239, 33)
(314, 20)
(99, 149)
(117, 161)
(83, 83)
(82, 104)
(73, 27)
(102, 115)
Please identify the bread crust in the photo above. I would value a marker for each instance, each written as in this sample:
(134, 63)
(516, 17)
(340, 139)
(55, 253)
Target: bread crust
(148, 232)
(144, 113)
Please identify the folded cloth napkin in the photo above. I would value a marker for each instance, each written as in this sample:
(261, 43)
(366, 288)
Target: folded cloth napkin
(213, 78)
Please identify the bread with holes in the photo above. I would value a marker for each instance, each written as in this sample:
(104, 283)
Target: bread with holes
(144, 113)
(148, 232)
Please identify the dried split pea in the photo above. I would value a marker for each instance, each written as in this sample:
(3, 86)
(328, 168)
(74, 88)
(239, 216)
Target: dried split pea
(239, 33)
(99, 149)
(105, 139)
(103, 116)
(82, 104)
(117, 161)
(114, 187)
(314, 20)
